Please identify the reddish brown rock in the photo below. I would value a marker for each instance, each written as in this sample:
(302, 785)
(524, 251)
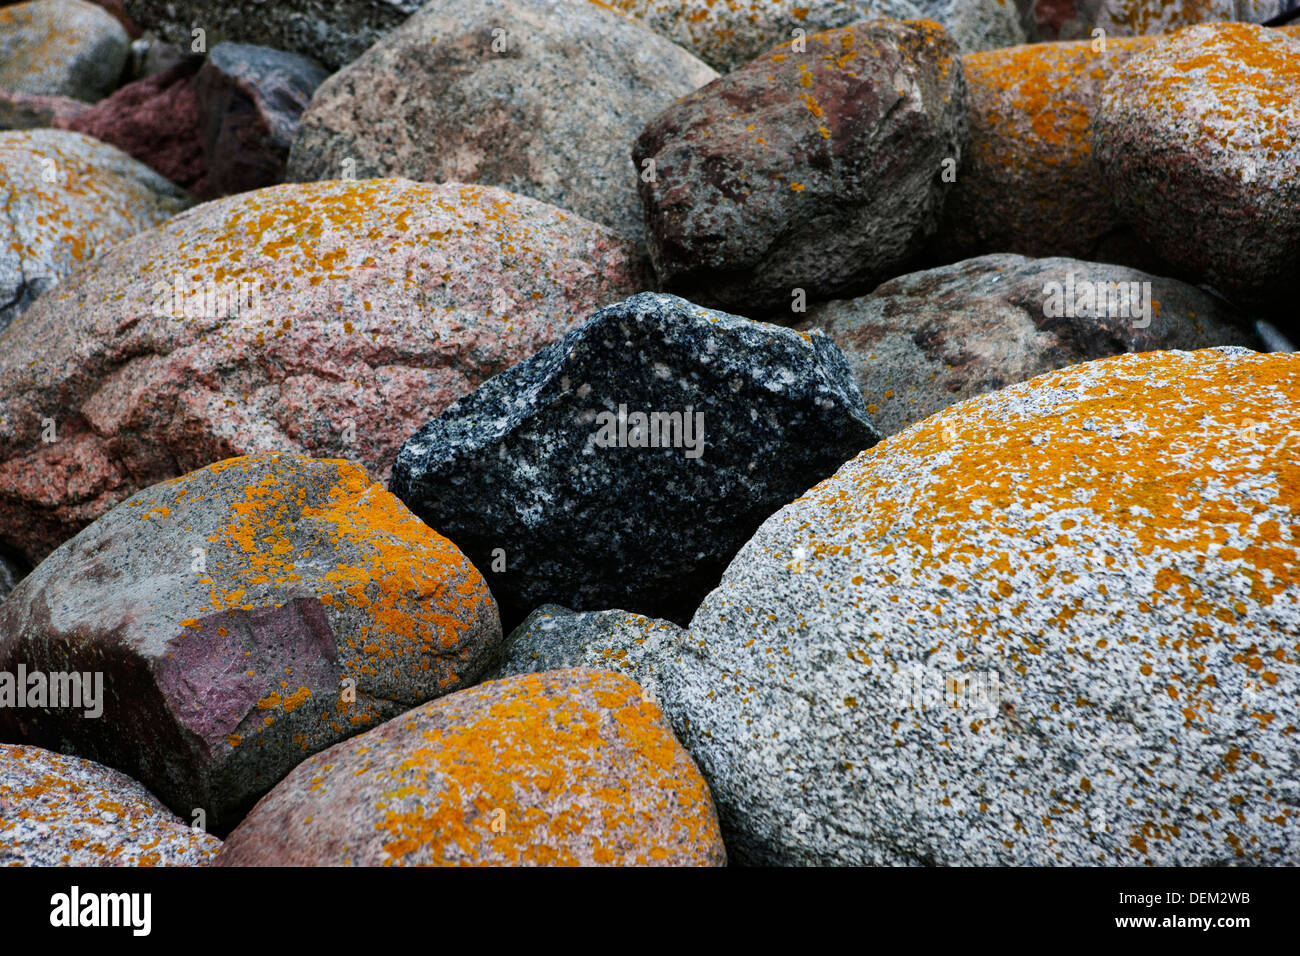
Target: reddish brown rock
(242, 617)
(330, 319)
(569, 767)
(29, 111)
(817, 171)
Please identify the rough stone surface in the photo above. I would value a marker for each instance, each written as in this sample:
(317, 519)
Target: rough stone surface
(728, 34)
(158, 120)
(28, 111)
(551, 116)
(553, 637)
(571, 767)
(244, 616)
(334, 32)
(1198, 138)
(1028, 183)
(251, 98)
(1071, 19)
(64, 811)
(818, 171)
(11, 572)
(1116, 542)
(61, 48)
(67, 198)
(924, 341)
(367, 308)
(591, 514)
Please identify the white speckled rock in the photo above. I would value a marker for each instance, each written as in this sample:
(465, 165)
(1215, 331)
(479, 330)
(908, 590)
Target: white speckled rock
(64, 811)
(61, 48)
(67, 198)
(1106, 558)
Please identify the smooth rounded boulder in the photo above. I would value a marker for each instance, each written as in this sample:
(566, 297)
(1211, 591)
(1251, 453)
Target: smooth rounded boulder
(541, 97)
(927, 340)
(69, 198)
(61, 48)
(1054, 625)
(569, 767)
(805, 175)
(238, 619)
(57, 810)
(1198, 138)
(328, 319)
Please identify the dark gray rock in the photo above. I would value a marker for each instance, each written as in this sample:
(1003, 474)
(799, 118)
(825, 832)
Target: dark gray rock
(518, 474)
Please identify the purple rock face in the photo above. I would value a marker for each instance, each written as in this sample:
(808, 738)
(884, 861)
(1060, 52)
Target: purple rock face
(818, 170)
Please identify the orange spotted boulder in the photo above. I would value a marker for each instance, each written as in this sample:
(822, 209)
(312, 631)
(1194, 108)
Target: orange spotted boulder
(1054, 625)
(1069, 19)
(1198, 140)
(567, 767)
(243, 617)
(327, 319)
(61, 48)
(57, 810)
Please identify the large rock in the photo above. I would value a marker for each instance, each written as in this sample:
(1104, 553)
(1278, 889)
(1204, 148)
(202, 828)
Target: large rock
(542, 97)
(359, 310)
(61, 48)
(813, 174)
(244, 616)
(1052, 625)
(562, 489)
(1202, 159)
(67, 198)
(923, 341)
(29, 111)
(571, 767)
(728, 35)
(1070, 19)
(334, 32)
(57, 810)
(553, 638)
(1028, 183)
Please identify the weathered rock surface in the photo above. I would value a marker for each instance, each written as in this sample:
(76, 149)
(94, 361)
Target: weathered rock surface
(817, 171)
(244, 616)
(570, 767)
(29, 111)
(1070, 19)
(1198, 138)
(924, 341)
(57, 810)
(553, 637)
(541, 97)
(1052, 625)
(61, 48)
(324, 319)
(67, 198)
(556, 482)
(334, 32)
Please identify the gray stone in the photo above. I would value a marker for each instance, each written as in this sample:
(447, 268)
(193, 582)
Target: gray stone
(1052, 625)
(558, 500)
(61, 48)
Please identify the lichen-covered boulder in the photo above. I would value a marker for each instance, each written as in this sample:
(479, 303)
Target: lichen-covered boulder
(68, 198)
(924, 341)
(1057, 624)
(1198, 138)
(326, 319)
(61, 48)
(541, 97)
(244, 616)
(569, 767)
(1069, 19)
(805, 174)
(57, 810)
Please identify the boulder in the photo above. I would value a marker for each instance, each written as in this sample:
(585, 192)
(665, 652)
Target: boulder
(570, 767)
(924, 341)
(541, 97)
(1070, 19)
(1054, 625)
(68, 199)
(1201, 159)
(242, 617)
(805, 175)
(326, 319)
(57, 810)
(624, 465)
(61, 48)
(29, 111)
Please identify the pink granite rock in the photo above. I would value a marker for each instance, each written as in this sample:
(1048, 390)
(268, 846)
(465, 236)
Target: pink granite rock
(360, 310)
